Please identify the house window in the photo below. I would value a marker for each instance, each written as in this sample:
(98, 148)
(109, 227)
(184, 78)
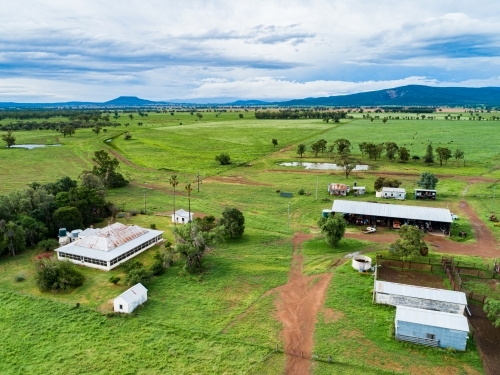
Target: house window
(430, 336)
(121, 307)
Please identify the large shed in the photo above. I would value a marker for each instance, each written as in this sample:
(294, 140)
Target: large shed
(108, 247)
(425, 194)
(393, 193)
(431, 328)
(131, 298)
(419, 297)
(366, 213)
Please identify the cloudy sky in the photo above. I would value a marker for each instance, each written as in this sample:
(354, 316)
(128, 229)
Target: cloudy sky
(59, 50)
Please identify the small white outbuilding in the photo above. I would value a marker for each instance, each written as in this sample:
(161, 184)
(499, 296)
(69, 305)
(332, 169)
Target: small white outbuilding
(131, 298)
(181, 216)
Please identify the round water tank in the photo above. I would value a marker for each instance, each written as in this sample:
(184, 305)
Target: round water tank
(361, 263)
(326, 212)
(62, 232)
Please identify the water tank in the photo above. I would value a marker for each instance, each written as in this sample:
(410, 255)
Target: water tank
(62, 232)
(361, 263)
(326, 212)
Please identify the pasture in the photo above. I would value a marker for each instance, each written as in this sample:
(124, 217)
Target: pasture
(224, 320)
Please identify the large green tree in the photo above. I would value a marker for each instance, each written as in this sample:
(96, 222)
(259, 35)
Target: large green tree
(9, 139)
(68, 217)
(429, 155)
(345, 161)
(191, 244)
(444, 153)
(409, 243)
(333, 228)
(301, 149)
(427, 181)
(233, 222)
(342, 144)
(106, 169)
(391, 149)
(12, 238)
(458, 154)
(404, 154)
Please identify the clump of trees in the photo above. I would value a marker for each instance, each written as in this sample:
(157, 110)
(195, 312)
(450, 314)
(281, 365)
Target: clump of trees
(55, 275)
(427, 181)
(333, 228)
(294, 114)
(382, 182)
(106, 169)
(410, 243)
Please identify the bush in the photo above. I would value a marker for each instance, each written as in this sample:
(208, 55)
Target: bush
(223, 159)
(114, 279)
(132, 264)
(138, 275)
(301, 192)
(48, 245)
(415, 157)
(54, 275)
(152, 226)
(20, 278)
(133, 212)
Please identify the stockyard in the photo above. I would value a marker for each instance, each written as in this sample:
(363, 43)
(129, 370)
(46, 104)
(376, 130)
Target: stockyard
(279, 299)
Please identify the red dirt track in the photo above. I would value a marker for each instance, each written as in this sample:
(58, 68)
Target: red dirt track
(298, 305)
(486, 245)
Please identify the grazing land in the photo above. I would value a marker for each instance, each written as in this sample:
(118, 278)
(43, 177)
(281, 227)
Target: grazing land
(229, 319)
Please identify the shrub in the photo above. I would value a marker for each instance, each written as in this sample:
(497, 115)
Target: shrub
(223, 159)
(133, 212)
(127, 136)
(114, 279)
(152, 226)
(54, 275)
(20, 278)
(415, 157)
(48, 245)
(138, 275)
(301, 192)
(132, 264)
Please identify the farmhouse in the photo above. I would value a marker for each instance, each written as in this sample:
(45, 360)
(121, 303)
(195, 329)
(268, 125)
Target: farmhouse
(431, 328)
(338, 189)
(394, 215)
(425, 194)
(393, 193)
(419, 297)
(181, 216)
(130, 299)
(110, 246)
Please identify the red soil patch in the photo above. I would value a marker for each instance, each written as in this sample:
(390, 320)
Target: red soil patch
(300, 300)
(410, 277)
(486, 245)
(238, 180)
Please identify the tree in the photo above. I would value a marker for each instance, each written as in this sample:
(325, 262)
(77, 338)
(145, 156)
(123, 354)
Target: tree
(316, 148)
(301, 149)
(89, 202)
(342, 144)
(274, 141)
(233, 222)
(429, 155)
(391, 150)
(54, 275)
(9, 139)
(444, 153)
(223, 159)
(333, 228)
(192, 244)
(106, 170)
(492, 310)
(14, 238)
(372, 151)
(68, 217)
(130, 116)
(96, 129)
(427, 181)
(240, 115)
(362, 148)
(68, 130)
(127, 136)
(33, 229)
(91, 181)
(345, 161)
(458, 154)
(404, 154)
(409, 243)
(199, 115)
(382, 182)
(174, 181)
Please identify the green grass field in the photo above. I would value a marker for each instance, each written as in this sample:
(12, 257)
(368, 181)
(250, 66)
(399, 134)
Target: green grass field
(223, 321)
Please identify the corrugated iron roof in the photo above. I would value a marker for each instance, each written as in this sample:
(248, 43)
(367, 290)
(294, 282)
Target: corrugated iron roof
(394, 190)
(183, 213)
(337, 187)
(134, 293)
(392, 210)
(432, 318)
(442, 295)
(110, 237)
(425, 190)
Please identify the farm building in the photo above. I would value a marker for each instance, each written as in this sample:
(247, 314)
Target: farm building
(130, 299)
(182, 217)
(393, 193)
(431, 328)
(425, 194)
(394, 215)
(110, 246)
(419, 297)
(359, 190)
(338, 189)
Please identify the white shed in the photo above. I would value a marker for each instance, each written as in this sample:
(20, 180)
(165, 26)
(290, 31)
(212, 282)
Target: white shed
(182, 216)
(130, 299)
(359, 190)
(394, 193)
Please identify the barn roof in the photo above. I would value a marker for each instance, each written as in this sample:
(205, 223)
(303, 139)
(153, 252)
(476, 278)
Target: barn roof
(432, 318)
(183, 213)
(338, 186)
(392, 210)
(421, 292)
(134, 293)
(111, 237)
(394, 190)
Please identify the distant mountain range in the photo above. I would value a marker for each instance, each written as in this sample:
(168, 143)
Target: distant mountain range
(411, 95)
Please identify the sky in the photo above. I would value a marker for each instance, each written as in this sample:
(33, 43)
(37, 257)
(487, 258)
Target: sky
(218, 51)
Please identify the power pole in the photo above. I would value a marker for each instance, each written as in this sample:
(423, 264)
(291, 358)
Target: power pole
(288, 226)
(198, 180)
(145, 191)
(493, 199)
(317, 187)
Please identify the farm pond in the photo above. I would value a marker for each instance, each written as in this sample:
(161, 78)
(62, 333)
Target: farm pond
(32, 146)
(321, 166)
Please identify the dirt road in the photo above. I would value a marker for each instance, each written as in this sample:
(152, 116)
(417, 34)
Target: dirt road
(298, 305)
(486, 245)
